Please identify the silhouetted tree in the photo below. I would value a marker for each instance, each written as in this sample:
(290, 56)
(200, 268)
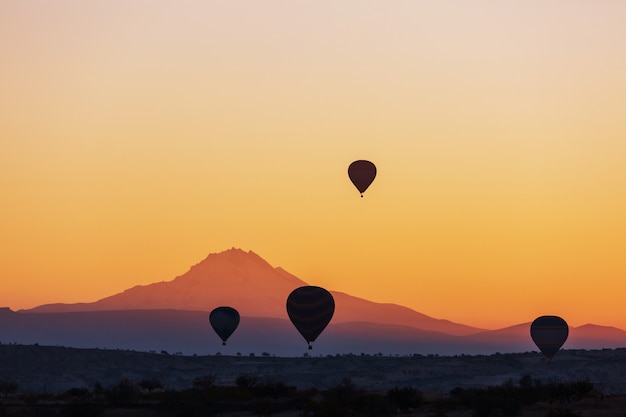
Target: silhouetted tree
(562, 412)
(122, 393)
(247, 382)
(98, 389)
(7, 387)
(405, 398)
(582, 387)
(273, 390)
(150, 384)
(204, 382)
(78, 392)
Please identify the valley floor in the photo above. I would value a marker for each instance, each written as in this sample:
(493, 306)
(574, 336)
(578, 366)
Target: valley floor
(58, 381)
(614, 406)
(57, 369)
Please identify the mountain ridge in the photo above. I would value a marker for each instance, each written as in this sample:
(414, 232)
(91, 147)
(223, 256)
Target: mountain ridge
(248, 283)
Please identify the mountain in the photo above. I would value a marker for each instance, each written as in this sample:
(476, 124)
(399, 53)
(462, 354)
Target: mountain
(236, 278)
(589, 336)
(247, 282)
(173, 316)
(596, 337)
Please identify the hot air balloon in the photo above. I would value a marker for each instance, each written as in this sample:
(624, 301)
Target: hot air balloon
(549, 333)
(362, 173)
(310, 310)
(224, 321)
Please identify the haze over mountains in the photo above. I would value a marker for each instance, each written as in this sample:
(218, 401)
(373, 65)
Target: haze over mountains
(173, 316)
(246, 282)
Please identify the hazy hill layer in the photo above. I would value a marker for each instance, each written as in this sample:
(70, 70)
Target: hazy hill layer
(189, 332)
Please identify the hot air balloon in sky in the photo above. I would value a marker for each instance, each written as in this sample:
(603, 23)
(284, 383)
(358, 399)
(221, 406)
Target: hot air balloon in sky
(224, 321)
(362, 173)
(310, 310)
(549, 333)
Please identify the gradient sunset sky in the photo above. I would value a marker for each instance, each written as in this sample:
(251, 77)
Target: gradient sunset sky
(138, 136)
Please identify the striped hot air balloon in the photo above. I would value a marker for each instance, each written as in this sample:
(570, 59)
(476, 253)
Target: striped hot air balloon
(549, 333)
(224, 321)
(310, 309)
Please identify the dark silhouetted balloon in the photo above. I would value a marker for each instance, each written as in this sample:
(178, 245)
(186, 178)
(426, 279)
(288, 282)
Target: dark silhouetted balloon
(224, 321)
(362, 173)
(549, 333)
(310, 310)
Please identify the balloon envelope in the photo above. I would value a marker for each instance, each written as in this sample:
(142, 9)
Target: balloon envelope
(224, 321)
(549, 333)
(362, 173)
(310, 310)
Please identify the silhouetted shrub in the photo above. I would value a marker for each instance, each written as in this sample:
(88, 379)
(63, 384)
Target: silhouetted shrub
(335, 402)
(123, 393)
(343, 391)
(582, 388)
(273, 390)
(81, 409)
(372, 405)
(529, 389)
(78, 392)
(440, 406)
(204, 382)
(264, 408)
(32, 399)
(508, 399)
(98, 389)
(562, 412)
(150, 384)
(8, 386)
(405, 398)
(247, 382)
(484, 402)
(186, 403)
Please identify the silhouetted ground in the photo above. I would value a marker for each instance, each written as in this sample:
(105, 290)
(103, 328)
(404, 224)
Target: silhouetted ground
(59, 381)
(56, 369)
(254, 398)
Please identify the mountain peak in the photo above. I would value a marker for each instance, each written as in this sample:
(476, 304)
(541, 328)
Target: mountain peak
(232, 277)
(233, 257)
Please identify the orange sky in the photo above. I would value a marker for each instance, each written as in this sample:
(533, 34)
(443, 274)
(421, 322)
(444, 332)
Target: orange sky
(138, 136)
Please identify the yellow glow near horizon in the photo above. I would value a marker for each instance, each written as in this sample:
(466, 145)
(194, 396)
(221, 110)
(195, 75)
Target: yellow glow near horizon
(137, 137)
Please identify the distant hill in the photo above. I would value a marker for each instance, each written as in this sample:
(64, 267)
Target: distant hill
(189, 332)
(173, 316)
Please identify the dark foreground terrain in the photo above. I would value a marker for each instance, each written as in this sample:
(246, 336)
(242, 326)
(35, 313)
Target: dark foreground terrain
(250, 397)
(58, 381)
